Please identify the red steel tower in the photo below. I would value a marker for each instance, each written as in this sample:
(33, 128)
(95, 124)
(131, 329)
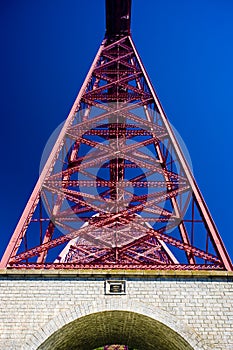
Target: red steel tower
(116, 190)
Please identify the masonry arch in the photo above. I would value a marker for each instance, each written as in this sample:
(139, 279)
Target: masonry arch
(115, 320)
(115, 327)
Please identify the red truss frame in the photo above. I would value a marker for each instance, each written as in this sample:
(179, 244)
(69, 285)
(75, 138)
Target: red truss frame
(116, 191)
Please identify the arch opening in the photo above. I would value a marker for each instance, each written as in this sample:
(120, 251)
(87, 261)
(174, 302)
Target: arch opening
(96, 330)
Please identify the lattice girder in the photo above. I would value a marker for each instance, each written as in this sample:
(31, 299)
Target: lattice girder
(116, 191)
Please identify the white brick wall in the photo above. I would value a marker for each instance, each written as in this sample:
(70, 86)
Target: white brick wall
(198, 306)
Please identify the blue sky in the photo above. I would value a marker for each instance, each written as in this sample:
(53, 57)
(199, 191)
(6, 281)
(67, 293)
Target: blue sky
(47, 47)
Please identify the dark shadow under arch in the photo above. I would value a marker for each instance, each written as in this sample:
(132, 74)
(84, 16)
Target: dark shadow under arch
(115, 327)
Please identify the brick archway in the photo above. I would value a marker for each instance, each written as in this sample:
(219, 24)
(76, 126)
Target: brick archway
(117, 320)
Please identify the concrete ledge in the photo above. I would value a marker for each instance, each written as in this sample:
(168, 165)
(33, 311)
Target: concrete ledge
(56, 273)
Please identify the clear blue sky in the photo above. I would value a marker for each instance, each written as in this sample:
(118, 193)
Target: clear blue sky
(46, 49)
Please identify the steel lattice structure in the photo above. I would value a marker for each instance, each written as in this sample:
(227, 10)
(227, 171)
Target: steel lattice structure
(116, 190)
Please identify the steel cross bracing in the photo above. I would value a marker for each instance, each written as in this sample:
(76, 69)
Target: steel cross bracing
(116, 191)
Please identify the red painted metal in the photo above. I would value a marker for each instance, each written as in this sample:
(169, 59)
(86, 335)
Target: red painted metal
(118, 16)
(115, 347)
(117, 191)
